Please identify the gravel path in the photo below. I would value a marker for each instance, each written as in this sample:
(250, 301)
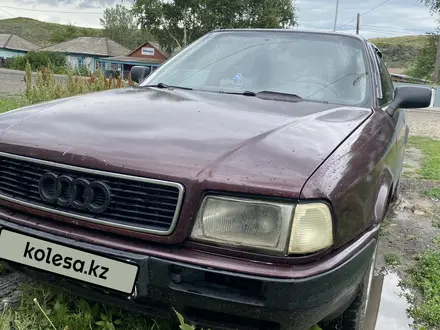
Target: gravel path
(424, 123)
(12, 83)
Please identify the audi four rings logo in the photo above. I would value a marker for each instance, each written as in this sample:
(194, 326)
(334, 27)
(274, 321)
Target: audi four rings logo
(79, 193)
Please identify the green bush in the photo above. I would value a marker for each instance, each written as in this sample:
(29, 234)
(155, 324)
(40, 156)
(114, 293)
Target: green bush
(82, 71)
(39, 60)
(423, 63)
(47, 88)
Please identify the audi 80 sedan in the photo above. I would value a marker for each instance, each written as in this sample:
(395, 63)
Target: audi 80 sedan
(242, 184)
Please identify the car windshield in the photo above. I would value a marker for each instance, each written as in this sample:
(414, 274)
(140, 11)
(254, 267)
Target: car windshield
(318, 67)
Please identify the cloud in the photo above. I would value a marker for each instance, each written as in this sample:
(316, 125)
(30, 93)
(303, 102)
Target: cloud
(55, 2)
(88, 4)
(25, 2)
(80, 3)
(97, 3)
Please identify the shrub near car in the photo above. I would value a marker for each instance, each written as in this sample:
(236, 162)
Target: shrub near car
(242, 183)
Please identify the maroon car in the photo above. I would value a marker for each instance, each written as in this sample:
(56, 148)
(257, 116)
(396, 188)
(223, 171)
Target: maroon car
(243, 183)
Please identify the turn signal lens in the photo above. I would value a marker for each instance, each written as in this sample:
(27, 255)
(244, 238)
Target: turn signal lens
(312, 228)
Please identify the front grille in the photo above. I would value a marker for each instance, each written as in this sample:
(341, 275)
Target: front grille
(136, 203)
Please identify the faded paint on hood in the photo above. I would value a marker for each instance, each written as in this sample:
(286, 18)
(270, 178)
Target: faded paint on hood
(215, 141)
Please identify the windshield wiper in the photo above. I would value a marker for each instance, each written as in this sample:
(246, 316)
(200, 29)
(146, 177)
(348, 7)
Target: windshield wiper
(269, 95)
(163, 85)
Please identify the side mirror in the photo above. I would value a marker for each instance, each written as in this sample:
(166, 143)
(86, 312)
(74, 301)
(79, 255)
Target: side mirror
(139, 73)
(410, 97)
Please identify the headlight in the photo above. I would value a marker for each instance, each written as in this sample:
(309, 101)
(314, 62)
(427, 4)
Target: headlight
(263, 225)
(242, 222)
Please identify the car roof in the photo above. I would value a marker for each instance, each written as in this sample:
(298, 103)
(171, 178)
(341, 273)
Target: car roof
(356, 36)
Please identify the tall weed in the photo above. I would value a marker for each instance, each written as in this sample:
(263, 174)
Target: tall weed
(47, 87)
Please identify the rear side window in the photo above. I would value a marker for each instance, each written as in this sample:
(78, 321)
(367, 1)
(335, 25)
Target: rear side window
(387, 85)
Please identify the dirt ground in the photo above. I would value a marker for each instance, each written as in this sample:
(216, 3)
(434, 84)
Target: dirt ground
(411, 227)
(424, 123)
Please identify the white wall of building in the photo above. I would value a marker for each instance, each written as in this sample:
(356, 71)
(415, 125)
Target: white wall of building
(75, 61)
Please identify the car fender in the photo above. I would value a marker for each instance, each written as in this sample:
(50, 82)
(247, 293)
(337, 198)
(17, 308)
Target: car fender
(357, 179)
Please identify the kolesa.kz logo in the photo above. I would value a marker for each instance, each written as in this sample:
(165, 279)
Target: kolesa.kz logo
(79, 266)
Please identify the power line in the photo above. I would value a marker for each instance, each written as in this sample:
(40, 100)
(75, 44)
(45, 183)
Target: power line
(372, 28)
(53, 11)
(369, 11)
(6, 12)
(393, 28)
(393, 33)
(379, 29)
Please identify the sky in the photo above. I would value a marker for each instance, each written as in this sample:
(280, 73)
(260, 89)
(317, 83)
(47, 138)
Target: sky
(379, 18)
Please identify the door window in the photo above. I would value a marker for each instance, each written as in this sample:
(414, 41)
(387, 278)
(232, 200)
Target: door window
(387, 85)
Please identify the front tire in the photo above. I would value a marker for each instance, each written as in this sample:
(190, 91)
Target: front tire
(353, 317)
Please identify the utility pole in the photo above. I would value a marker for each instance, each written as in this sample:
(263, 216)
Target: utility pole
(437, 63)
(336, 15)
(184, 27)
(358, 22)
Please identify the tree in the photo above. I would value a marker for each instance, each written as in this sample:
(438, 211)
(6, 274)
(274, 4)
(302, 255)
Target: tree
(434, 5)
(120, 25)
(71, 32)
(435, 9)
(423, 66)
(175, 23)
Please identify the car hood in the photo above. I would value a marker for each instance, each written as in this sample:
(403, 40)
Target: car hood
(219, 141)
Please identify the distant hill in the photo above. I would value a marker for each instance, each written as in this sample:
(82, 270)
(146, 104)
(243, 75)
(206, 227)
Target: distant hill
(38, 32)
(399, 52)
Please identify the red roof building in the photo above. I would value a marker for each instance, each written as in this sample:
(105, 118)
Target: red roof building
(149, 54)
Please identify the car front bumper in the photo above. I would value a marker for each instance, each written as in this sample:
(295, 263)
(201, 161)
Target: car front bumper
(213, 298)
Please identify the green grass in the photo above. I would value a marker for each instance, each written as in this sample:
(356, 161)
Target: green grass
(7, 104)
(433, 192)
(41, 307)
(385, 226)
(392, 259)
(430, 167)
(33, 30)
(436, 242)
(400, 52)
(425, 276)
(414, 41)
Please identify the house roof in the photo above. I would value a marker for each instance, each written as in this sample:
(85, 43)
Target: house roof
(89, 46)
(132, 59)
(14, 42)
(155, 45)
